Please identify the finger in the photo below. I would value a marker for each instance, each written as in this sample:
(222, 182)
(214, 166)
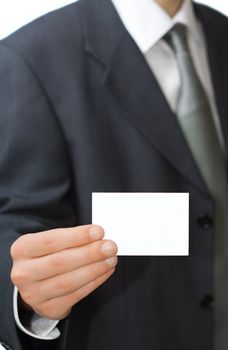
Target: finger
(67, 283)
(67, 260)
(58, 308)
(48, 242)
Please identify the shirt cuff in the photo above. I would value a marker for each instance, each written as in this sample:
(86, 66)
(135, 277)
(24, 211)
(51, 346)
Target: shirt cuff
(39, 327)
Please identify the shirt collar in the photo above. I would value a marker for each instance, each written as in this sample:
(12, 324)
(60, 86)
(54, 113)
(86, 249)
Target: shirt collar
(147, 22)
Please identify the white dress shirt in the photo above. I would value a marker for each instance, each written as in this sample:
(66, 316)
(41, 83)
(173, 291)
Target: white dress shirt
(147, 23)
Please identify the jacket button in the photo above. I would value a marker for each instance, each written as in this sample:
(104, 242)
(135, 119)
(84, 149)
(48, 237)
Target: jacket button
(207, 301)
(205, 222)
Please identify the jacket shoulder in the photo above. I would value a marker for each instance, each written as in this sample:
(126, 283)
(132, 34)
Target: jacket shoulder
(48, 35)
(213, 17)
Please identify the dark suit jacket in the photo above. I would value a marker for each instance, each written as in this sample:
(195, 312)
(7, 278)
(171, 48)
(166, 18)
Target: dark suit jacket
(82, 112)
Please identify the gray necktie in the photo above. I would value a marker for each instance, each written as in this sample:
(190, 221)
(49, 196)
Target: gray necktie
(196, 121)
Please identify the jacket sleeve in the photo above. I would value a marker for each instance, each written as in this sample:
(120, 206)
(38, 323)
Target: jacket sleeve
(35, 179)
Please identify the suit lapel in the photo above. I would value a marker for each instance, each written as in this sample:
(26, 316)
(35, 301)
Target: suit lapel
(129, 79)
(131, 82)
(215, 32)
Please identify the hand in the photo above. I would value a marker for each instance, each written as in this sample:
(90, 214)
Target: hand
(53, 270)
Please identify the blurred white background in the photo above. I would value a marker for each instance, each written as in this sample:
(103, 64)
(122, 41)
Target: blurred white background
(16, 13)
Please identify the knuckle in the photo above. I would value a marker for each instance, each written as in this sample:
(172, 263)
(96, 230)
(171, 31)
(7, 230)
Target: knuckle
(17, 247)
(29, 296)
(65, 284)
(92, 272)
(57, 263)
(94, 283)
(13, 250)
(49, 242)
(89, 253)
(78, 295)
(18, 275)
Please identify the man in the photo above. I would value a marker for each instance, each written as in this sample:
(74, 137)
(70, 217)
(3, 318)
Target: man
(92, 101)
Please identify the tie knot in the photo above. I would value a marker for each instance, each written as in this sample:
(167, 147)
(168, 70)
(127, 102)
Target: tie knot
(177, 38)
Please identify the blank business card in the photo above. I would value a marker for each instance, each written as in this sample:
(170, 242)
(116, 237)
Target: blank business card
(144, 223)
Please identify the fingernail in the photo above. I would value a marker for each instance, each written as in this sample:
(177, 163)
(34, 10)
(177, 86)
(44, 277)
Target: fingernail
(111, 261)
(96, 233)
(108, 249)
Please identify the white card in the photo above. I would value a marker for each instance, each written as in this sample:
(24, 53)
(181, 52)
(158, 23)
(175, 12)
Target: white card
(144, 223)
